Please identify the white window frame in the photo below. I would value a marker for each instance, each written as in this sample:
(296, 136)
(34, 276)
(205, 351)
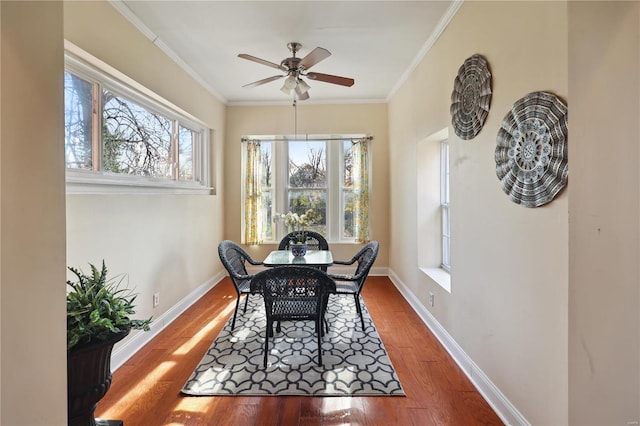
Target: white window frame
(280, 157)
(429, 219)
(85, 66)
(445, 206)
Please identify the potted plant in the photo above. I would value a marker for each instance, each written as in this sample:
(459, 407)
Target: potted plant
(297, 225)
(99, 313)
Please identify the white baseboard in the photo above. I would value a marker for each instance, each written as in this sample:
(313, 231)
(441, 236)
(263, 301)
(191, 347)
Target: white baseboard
(381, 271)
(122, 352)
(490, 392)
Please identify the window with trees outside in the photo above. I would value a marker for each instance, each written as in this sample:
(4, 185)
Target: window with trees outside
(329, 175)
(115, 134)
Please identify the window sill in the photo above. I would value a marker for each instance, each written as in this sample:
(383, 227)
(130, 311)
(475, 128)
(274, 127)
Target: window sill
(97, 183)
(440, 276)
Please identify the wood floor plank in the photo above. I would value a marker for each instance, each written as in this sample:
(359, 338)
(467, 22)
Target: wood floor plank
(146, 389)
(289, 411)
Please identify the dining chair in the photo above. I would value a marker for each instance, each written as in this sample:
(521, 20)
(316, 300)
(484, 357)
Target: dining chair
(293, 293)
(315, 241)
(353, 284)
(234, 259)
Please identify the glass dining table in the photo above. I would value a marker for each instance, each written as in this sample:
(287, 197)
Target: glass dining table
(312, 258)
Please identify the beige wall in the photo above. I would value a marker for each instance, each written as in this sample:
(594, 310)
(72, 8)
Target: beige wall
(32, 213)
(312, 119)
(543, 300)
(164, 243)
(508, 304)
(604, 285)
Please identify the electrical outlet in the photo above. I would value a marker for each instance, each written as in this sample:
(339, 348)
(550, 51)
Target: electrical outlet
(432, 299)
(156, 299)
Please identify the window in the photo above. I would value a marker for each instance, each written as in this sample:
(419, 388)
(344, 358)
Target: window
(432, 199)
(323, 174)
(444, 205)
(115, 134)
(307, 180)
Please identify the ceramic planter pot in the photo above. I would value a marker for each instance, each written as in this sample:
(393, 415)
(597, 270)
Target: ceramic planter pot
(298, 249)
(88, 379)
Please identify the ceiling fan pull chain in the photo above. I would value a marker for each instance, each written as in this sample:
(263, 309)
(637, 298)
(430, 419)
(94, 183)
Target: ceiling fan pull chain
(295, 117)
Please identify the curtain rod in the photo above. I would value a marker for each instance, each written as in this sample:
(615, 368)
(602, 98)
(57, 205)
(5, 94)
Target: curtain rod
(306, 138)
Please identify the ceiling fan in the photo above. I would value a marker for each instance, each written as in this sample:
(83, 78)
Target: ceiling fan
(295, 68)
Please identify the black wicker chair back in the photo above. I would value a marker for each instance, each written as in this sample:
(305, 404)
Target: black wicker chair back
(293, 293)
(353, 284)
(234, 259)
(365, 258)
(315, 241)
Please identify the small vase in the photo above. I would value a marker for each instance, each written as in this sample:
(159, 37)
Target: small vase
(298, 249)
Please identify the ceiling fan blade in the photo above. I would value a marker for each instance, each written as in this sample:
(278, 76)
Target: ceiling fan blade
(302, 95)
(315, 56)
(262, 61)
(328, 78)
(263, 81)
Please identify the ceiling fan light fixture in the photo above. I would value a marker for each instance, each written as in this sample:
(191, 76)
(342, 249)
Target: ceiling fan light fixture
(303, 87)
(289, 85)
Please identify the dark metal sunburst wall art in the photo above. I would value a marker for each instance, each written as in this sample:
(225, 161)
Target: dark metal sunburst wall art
(471, 97)
(531, 151)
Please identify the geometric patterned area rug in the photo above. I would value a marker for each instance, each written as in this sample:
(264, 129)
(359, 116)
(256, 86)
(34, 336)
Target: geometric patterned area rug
(354, 363)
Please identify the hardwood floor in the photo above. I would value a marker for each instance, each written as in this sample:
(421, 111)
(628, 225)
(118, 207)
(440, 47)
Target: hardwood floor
(146, 389)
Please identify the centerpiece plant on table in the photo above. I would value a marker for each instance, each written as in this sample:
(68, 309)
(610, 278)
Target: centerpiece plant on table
(298, 224)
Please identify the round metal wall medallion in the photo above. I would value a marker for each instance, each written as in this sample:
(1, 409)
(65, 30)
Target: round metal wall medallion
(531, 151)
(471, 97)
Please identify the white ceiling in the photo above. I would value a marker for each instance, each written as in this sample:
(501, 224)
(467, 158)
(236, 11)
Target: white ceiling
(374, 42)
